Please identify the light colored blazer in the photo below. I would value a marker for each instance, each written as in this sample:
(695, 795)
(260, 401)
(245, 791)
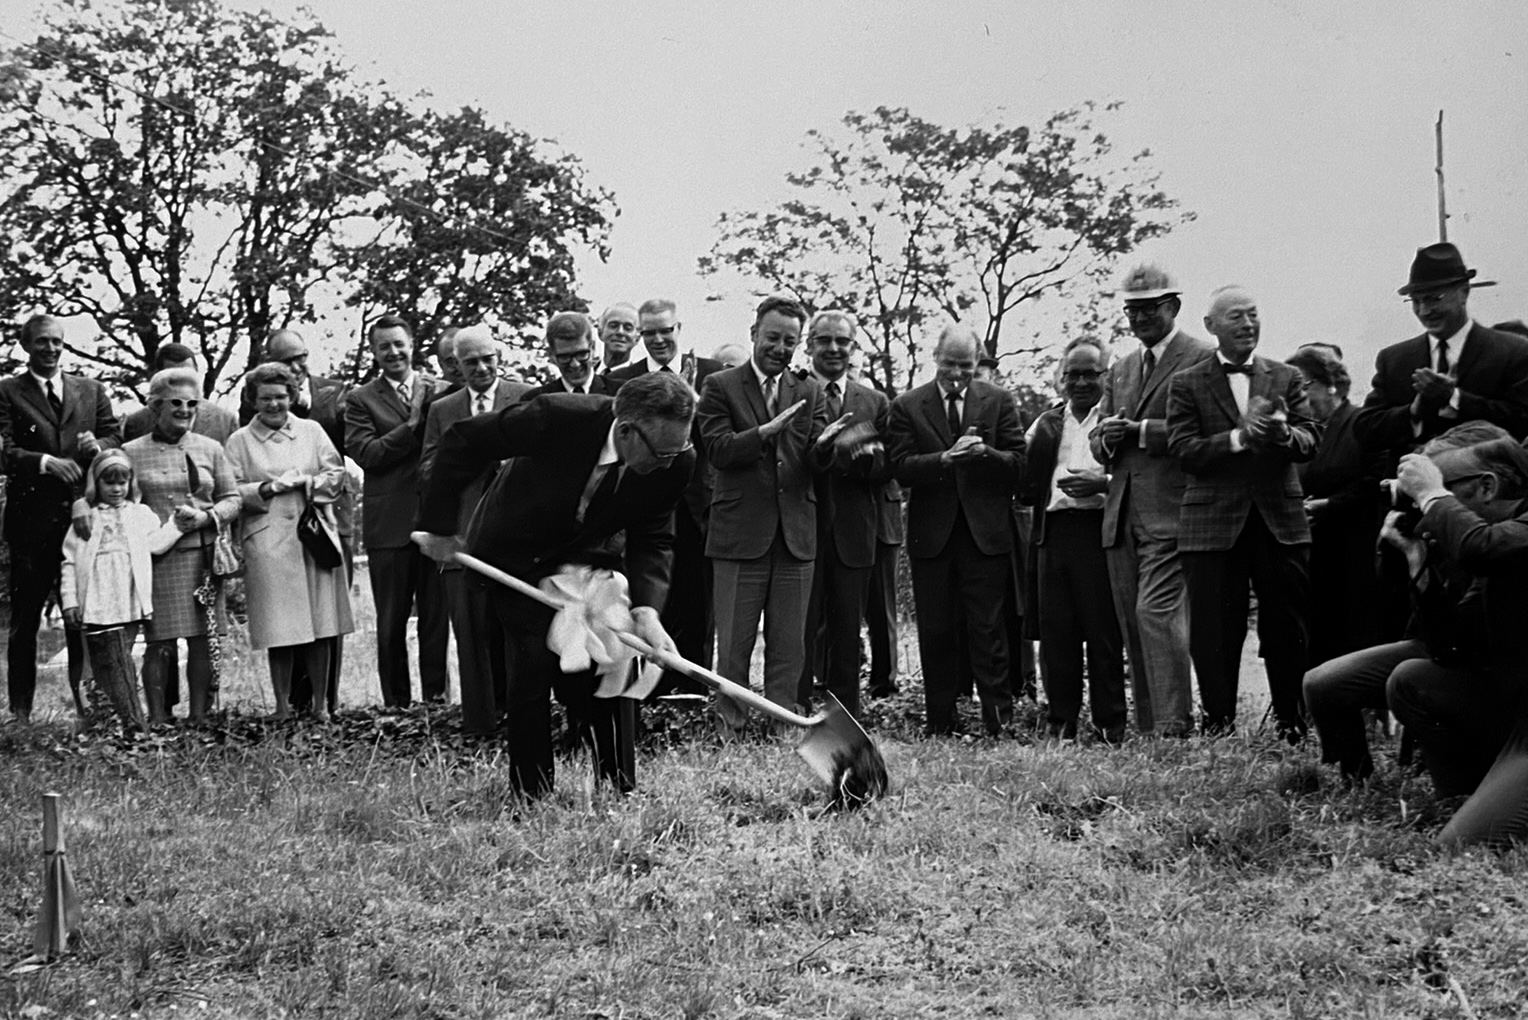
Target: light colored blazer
(146, 538)
(1151, 479)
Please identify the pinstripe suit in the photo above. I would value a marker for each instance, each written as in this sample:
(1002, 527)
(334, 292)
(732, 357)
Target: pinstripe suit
(1242, 519)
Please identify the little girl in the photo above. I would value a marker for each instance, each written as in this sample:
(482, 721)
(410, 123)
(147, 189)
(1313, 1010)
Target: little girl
(106, 585)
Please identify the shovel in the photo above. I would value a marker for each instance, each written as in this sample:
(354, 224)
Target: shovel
(835, 746)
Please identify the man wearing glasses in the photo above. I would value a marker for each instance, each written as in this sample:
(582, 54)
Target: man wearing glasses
(687, 616)
(570, 345)
(1456, 371)
(1140, 519)
(593, 481)
(1065, 485)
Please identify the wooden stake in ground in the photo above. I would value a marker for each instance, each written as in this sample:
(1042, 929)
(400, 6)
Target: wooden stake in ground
(60, 914)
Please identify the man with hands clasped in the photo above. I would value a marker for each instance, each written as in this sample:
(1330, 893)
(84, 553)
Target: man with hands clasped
(1238, 423)
(956, 444)
(1065, 485)
(1146, 483)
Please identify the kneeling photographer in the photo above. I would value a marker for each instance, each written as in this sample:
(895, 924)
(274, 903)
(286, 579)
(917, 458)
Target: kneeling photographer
(1339, 690)
(1469, 565)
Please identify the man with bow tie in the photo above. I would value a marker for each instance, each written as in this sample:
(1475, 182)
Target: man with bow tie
(384, 432)
(52, 425)
(1239, 423)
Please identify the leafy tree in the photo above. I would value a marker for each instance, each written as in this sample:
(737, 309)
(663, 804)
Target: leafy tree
(906, 222)
(479, 227)
(178, 171)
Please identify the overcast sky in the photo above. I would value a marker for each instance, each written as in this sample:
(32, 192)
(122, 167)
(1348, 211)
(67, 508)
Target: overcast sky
(1300, 133)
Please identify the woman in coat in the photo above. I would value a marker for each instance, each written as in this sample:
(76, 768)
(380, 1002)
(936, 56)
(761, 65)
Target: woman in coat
(184, 478)
(296, 607)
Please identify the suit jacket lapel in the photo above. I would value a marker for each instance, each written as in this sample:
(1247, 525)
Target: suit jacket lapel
(1464, 360)
(756, 398)
(933, 409)
(69, 392)
(34, 392)
(1220, 386)
(1167, 364)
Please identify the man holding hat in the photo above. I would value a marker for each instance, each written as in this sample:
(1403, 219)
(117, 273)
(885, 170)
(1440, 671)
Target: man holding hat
(1140, 527)
(1457, 371)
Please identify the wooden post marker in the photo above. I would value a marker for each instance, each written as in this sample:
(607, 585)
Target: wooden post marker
(60, 914)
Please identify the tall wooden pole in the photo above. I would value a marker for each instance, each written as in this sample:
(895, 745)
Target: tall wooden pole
(1442, 202)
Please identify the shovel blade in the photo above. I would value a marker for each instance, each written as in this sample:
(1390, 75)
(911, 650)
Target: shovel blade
(842, 754)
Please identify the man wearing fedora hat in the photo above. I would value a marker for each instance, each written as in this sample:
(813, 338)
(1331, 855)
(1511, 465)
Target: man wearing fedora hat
(1456, 371)
(1140, 524)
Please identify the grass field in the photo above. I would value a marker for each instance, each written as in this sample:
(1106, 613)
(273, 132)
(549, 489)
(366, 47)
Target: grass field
(380, 869)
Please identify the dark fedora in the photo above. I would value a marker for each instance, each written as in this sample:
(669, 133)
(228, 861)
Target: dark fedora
(1439, 265)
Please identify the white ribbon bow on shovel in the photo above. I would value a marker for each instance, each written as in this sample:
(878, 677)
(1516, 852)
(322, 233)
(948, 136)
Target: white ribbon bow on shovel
(595, 608)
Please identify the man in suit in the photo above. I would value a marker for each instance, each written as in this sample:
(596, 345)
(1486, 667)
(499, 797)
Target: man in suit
(322, 400)
(212, 421)
(594, 480)
(618, 334)
(759, 423)
(480, 660)
(1140, 523)
(956, 444)
(384, 432)
(1239, 423)
(687, 616)
(1456, 371)
(850, 492)
(570, 346)
(1065, 484)
(52, 425)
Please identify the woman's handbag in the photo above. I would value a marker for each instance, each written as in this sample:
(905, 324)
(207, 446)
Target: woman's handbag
(318, 538)
(227, 556)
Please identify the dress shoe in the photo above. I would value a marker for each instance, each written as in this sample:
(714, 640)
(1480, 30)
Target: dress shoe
(22, 716)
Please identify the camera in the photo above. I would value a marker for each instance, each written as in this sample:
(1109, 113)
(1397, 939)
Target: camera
(1411, 514)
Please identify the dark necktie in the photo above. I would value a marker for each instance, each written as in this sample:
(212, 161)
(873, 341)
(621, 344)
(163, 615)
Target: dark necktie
(55, 401)
(1148, 363)
(1231, 369)
(1443, 357)
(835, 405)
(601, 490)
(954, 408)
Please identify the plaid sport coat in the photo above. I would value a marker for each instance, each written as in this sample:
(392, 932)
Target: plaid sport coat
(1225, 487)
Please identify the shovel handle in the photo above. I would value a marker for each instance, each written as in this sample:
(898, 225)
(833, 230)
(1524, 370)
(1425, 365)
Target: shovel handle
(710, 678)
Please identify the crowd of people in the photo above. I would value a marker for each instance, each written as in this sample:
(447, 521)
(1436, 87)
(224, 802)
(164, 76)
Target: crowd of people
(1131, 523)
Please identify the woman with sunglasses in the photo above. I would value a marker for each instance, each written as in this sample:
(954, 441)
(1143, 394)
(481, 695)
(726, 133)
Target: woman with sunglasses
(185, 478)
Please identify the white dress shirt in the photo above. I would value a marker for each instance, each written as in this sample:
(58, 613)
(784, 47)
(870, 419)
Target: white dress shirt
(1072, 454)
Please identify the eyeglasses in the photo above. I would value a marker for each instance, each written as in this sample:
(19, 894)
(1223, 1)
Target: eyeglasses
(1145, 309)
(570, 357)
(1081, 375)
(295, 360)
(665, 332)
(179, 404)
(1430, 298)
(1449, 483)
(662, 458)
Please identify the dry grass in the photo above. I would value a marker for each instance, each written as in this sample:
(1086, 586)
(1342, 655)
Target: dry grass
(306, 878)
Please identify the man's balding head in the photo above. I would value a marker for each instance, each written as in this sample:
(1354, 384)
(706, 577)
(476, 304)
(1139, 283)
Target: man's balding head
(955, 356)
(618, 333)
(287, 347)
